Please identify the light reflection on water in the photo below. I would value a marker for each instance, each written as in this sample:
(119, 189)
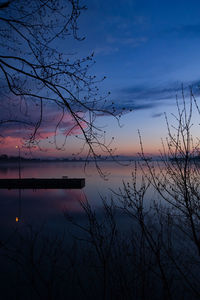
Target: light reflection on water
(48, 206)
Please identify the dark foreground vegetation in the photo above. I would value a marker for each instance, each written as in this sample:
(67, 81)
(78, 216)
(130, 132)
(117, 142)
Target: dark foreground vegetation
(153, 256)
(136, 248)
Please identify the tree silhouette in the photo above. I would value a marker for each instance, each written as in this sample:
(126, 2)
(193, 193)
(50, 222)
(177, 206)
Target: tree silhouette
(33, 68)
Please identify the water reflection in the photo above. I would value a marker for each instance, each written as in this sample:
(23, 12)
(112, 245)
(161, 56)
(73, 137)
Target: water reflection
(42, 259)
(22, 207)
(48, 205)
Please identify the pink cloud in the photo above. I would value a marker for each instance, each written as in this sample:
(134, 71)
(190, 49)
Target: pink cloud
(8, 145)
(14, 133)
(47, 129)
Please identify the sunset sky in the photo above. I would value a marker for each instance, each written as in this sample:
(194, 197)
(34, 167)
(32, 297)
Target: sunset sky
(146, 50)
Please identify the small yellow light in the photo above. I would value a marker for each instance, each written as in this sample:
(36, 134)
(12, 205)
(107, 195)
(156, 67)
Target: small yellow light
(17, 219)
(16, 147)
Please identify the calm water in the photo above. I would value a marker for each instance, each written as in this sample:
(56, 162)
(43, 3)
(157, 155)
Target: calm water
(48, 206)
(27, 251)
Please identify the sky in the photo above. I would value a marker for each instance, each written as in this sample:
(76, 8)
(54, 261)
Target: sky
(148, 50)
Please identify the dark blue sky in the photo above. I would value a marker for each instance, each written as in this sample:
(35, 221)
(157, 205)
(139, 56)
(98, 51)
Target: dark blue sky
(146, 50)
(143, 47)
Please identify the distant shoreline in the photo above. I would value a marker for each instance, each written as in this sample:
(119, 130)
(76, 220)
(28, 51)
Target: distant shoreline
(15, 159)
(68, 161)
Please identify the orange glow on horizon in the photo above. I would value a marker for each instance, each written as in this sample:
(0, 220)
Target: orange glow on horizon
(124, 147)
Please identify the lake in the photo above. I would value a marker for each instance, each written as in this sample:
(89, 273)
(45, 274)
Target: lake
(48, 206)
(46, 253)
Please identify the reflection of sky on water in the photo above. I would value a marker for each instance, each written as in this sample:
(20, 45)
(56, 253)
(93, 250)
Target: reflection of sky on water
(48, 206)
